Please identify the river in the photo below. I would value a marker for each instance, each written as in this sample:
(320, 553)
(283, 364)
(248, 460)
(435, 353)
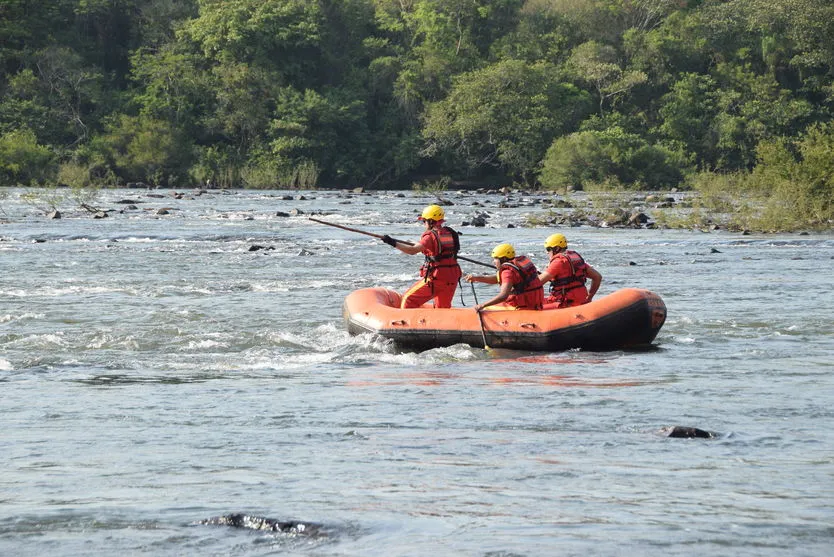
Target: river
(158, 370)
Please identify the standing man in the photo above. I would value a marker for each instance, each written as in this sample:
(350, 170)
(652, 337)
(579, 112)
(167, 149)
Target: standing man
(567, 273)
(440, 272)
(519, 280)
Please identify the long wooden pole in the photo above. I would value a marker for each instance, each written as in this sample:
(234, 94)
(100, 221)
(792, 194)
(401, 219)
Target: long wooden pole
(349, 229)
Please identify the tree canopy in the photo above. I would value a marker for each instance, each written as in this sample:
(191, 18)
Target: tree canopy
(378, 93)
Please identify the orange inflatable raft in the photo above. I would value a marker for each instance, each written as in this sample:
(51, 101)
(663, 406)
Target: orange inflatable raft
(627, 318)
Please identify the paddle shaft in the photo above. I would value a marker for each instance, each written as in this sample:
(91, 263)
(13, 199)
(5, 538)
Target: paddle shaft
(349, 229)
(483, 331)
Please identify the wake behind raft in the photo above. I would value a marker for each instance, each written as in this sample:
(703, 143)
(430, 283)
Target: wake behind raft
(627, 318)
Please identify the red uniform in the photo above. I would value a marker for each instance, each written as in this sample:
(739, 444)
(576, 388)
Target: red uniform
(440, 272)
(528, 291)
(569, 271)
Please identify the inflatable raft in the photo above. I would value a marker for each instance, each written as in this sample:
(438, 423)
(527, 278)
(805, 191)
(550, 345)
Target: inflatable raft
(627, 318)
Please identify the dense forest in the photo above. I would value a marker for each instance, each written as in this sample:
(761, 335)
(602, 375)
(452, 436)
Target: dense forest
(559, 94)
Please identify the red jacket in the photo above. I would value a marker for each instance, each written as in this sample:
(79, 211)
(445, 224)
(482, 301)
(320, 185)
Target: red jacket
(528, 291)
(440, 246)
(569, 272)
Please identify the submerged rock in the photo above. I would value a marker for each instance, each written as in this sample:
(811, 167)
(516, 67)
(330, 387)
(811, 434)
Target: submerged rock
(684, 432)
(241, 520)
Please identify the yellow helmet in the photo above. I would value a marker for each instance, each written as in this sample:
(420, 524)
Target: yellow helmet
(503, 250)
(556, 241)
(433, 212)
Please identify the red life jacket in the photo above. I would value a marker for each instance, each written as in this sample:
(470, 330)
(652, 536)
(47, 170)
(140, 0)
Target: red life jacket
(529, 293)
(446, 262)
(578, 270)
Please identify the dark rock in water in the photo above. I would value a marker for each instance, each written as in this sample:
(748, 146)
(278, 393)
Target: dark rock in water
(291, 527)
(305, 252)
(256, 247)
(282, 214)
(478, 221)
(713, 250)
(684, 432)
(638, 218)
(54, 215)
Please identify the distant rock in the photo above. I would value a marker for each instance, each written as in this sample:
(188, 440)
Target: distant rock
(56, 214)
(638, 219)
(479, 221)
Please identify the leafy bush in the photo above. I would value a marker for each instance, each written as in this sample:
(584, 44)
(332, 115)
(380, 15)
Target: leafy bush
(22, 160)
(792, 186)
(596, 156)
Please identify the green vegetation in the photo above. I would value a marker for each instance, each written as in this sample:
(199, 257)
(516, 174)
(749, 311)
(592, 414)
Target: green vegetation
(732, 98)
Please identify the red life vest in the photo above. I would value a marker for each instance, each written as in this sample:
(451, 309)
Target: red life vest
(578, 273)
(445, 262)
(529, 293)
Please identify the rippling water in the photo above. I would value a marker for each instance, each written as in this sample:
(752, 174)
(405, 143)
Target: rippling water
(155, 373)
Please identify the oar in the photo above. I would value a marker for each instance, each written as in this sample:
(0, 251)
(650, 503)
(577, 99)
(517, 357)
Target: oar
(349, 229)
(480, 317)
(483, 332)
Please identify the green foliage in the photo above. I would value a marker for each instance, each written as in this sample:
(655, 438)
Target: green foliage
(432, 186)
(298, 93)
(504, 115)
(216, 166)
(144, 150)
(22, 160)
(596, 64)
(599, 156)
(791, 188)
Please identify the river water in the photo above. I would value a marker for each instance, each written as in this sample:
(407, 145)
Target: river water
(155, 373)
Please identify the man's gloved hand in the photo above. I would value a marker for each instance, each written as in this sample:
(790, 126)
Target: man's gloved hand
(389, 240)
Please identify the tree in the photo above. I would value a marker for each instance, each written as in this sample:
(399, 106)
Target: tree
(505, 116)
(143, 150)
(596, 64)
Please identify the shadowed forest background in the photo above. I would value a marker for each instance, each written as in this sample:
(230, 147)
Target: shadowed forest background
(729, 98)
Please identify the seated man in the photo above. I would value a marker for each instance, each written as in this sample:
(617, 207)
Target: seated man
(519, 280)
(567, 272)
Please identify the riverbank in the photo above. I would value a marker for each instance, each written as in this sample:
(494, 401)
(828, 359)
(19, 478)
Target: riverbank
(687, 210)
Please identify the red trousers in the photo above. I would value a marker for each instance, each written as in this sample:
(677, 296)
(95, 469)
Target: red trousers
(422, 291)
(576, 296)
